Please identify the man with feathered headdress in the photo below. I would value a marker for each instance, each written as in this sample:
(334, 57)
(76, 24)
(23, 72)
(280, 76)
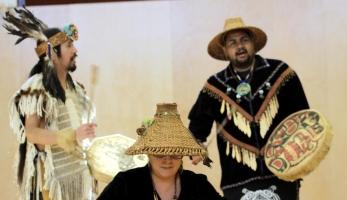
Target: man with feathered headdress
(50, 115)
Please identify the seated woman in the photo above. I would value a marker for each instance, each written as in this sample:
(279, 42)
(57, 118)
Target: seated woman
(165, 140)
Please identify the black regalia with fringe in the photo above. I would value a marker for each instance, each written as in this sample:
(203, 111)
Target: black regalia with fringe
(246, 125)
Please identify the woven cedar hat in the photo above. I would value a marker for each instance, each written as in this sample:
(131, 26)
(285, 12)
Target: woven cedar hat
(166, 135)
(215, 47)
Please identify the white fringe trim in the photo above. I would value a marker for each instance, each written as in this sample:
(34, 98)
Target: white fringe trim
(265, 120)
(15, 122)
(75, 189)
(241, 154)
(49, 168)
(29, 105)
(242, 123)
(55, 190)
(267, 117)
(30, 170)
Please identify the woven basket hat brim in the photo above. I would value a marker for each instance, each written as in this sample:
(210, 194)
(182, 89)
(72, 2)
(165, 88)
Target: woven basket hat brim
(167, 136)
(215, 46)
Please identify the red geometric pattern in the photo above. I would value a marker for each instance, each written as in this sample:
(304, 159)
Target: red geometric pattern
(293, 141)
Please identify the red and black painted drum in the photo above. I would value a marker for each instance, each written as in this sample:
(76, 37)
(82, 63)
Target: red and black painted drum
(298, 144)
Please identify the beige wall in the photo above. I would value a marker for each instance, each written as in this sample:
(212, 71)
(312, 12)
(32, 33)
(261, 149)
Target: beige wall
(155, 51)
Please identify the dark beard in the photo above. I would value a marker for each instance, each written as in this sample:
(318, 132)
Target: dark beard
(72, 68)
(244, 64)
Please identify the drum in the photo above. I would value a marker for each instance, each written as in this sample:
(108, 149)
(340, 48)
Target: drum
(298, 144)
(106, 157)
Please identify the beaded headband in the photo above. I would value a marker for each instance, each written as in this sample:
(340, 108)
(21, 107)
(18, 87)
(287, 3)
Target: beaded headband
(28, 26)
(24, 24)
(69, 32)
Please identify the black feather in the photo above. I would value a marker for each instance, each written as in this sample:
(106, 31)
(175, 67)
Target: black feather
(27, 24)
(19, 40)
(207, 161)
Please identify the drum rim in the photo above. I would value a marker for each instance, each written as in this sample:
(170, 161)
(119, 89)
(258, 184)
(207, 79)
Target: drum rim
(296, 172)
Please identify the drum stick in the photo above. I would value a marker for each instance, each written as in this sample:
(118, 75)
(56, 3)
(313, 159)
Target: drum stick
(218, 131)
(93, 80)
(3, 8)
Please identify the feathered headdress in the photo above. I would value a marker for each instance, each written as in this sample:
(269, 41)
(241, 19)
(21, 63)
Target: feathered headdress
(31, 27)
(26, 25)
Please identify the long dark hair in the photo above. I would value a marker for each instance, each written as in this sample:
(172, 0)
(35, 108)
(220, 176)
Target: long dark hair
(52, 85)
(50, 79)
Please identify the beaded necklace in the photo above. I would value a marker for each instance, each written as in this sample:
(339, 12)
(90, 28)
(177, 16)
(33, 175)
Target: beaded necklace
(243, 88)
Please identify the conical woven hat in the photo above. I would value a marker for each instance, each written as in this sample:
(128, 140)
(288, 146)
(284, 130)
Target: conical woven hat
(166, 135)
(215, 47)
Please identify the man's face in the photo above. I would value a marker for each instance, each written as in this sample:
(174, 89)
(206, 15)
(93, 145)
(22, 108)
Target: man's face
(66, 61)
(239, 48)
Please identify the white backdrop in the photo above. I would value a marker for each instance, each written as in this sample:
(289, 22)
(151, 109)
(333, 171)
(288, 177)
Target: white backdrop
(156, 51)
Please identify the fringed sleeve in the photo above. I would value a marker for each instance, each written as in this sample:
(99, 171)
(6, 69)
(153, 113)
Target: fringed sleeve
(32, 99)
(29, 100)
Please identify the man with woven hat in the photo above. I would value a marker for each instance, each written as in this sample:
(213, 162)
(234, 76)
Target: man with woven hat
(50, 114)
(246, 100)
(165, 140)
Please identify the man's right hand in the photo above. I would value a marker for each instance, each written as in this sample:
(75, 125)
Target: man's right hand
(85, 131)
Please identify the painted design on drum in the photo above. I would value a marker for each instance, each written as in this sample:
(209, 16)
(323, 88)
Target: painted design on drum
(125, 162)
(267, 194)
(296, 139)
(109, 151)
